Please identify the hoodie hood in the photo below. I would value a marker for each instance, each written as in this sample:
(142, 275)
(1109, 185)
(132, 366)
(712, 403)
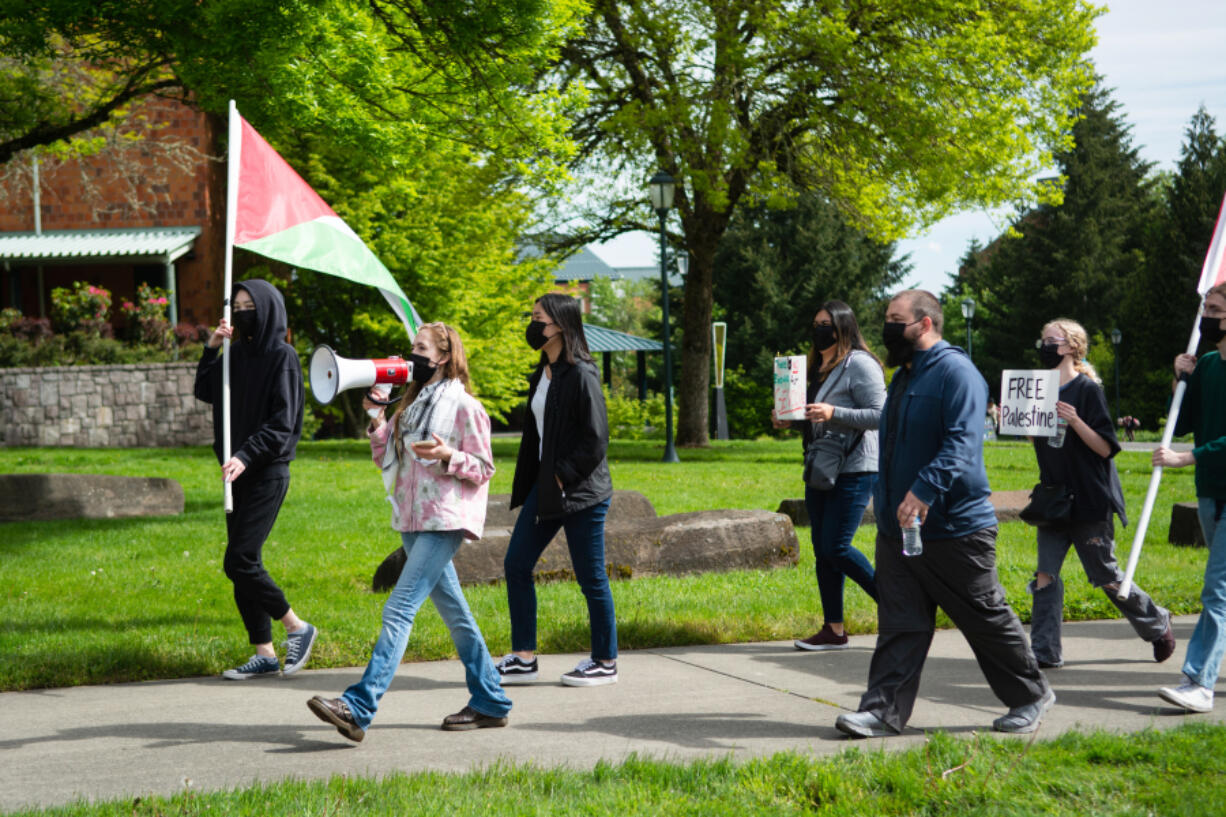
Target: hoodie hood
(271, 320)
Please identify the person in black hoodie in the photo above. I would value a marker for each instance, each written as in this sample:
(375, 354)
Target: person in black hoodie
(266, 402)
(562, 481)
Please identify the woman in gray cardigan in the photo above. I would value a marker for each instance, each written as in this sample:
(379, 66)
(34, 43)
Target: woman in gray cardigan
(846, 393)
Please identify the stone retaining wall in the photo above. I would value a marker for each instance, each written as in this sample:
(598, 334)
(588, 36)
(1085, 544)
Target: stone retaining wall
(124, 406)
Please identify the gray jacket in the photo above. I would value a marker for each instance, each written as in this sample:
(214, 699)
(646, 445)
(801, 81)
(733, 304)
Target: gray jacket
(856, 389)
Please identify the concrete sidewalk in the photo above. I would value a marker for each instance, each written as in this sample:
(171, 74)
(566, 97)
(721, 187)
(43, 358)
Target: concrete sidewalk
(743, 700)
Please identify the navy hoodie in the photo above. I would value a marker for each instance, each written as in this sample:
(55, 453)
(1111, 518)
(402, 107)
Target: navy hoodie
(931, 438)
(266, 391)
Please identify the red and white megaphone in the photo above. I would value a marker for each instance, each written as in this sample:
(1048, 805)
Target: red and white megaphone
(332, 374)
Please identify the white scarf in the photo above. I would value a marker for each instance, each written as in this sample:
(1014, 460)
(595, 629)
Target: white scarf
(433, 412)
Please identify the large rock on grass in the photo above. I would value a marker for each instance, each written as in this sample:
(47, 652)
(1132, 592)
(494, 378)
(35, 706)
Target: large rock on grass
(34, 497)
(1008, 505)
(684, 543)
(625, 505)
(1185, 525)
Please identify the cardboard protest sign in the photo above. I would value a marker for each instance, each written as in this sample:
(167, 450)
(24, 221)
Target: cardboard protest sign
(790, 387)
(1028, 402)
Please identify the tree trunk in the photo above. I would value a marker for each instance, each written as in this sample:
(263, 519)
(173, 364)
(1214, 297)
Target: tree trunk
(695, 375)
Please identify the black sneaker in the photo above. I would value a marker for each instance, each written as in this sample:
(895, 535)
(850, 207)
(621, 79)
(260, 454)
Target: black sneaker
(260, 666)
(298, 648)
(591, 673)
(514, 670)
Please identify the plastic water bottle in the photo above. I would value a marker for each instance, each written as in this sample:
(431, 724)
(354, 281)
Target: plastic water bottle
(1061, 430)
(912, 544)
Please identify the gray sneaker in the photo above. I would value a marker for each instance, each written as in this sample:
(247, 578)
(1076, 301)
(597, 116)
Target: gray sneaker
(298, 648)
(1024, 719)
(863, 725)
(260, 666)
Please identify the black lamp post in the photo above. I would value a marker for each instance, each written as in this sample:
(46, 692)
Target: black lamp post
(1116, 337)
(968, 312)
(661, 188)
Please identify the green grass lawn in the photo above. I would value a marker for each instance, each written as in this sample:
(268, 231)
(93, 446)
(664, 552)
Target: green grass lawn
(1175, 773)
(118, 600)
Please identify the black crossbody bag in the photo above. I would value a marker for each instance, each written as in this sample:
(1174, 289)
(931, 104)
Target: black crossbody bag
(828, 450)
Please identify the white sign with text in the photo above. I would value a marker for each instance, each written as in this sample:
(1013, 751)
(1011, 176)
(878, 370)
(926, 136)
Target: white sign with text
(790, 387)
(1028, 402)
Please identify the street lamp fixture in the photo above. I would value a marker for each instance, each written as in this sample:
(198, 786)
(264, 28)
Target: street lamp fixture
(661, 189)
(968, 312)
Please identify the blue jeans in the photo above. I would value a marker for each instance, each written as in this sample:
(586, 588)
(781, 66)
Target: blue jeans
(835, 515)
(1208, 642)
(428, 571)
(585, 538)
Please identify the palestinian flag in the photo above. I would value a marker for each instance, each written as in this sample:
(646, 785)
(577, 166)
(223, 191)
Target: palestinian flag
(1214, 270)
(278, 215)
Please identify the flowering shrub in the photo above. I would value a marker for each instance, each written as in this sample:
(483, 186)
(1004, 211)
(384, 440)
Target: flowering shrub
(191, 333)
(83, 307)
(147, 316)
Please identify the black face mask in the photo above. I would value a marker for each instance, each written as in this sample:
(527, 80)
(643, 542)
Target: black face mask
(423, 368)
(899, 350)
(1211, 330)
(823, 337)
(245, 323)
(1048, 356)
(535, 334)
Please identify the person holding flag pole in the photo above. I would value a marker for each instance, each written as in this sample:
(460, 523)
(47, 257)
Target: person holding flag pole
(271, 211)
(1205, 416)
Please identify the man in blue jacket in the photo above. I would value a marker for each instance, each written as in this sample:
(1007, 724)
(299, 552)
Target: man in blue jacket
(931, 467)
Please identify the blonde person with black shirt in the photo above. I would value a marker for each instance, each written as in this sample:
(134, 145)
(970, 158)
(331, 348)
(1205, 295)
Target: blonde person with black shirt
(1083, 465)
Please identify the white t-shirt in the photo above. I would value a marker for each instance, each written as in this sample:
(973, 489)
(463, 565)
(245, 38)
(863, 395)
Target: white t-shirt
(538, 412)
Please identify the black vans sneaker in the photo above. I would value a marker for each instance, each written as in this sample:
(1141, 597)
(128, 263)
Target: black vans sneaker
(514, 670)
(591, 673)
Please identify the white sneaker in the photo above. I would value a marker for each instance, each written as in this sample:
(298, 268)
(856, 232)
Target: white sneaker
(1190, 696)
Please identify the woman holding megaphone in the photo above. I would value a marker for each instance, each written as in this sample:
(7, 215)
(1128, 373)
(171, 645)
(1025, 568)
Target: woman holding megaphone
(437, 463)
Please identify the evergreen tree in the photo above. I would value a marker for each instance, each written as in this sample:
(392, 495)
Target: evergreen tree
(1076, 259)
(1160, 306)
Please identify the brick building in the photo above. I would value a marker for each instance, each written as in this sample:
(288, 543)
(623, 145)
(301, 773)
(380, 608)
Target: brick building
(175, 241)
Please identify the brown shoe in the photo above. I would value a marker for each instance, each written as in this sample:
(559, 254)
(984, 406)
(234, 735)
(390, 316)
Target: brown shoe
(823, 639)
(1164, 647)
(336, 712)
(469, 718)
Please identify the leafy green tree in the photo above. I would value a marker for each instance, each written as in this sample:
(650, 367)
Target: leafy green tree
(1074, 259)
(413, 118)
(1161, 301)
(898, 113)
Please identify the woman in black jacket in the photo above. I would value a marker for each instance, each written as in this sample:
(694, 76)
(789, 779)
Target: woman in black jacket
(562, 481)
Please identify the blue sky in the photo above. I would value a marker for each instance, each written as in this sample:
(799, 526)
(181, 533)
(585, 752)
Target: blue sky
(1163, 61)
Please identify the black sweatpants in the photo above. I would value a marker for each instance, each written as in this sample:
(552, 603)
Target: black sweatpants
(259, 600)
(959, 575)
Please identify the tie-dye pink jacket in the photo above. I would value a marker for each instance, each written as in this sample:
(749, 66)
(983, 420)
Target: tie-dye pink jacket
(444, 497)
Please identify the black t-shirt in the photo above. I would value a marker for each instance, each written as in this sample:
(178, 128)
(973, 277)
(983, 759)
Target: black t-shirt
(1093, 480)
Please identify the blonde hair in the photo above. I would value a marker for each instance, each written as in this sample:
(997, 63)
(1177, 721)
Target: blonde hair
(1076, 338)
(447, 341)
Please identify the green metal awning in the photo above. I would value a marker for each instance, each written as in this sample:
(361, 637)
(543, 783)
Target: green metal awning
(600, 339)
(135, 245)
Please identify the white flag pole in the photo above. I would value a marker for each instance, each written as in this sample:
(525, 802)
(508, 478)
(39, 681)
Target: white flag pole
(1155, 479)
(232, 167)
(1209, 274)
